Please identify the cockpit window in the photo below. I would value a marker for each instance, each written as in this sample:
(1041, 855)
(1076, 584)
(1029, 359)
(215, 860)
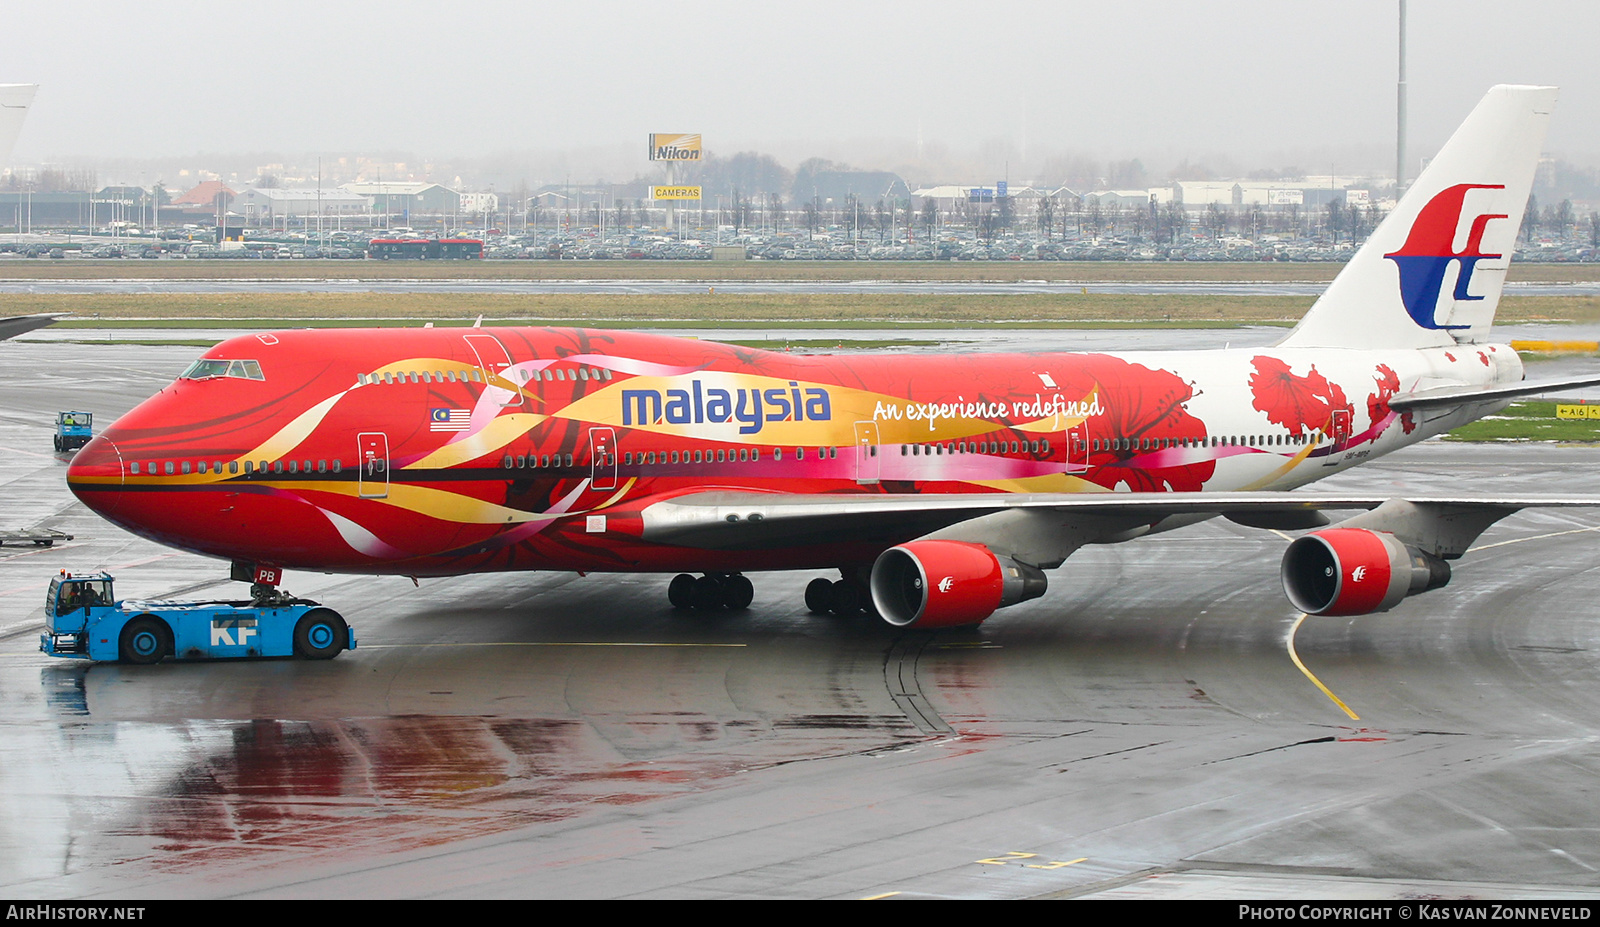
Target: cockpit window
(206, 368)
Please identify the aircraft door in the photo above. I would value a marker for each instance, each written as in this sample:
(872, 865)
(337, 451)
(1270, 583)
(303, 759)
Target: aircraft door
(867, 453)
(1077, 439)
(1339, 432)
(494, 360)
(602, 458)
(372, 457)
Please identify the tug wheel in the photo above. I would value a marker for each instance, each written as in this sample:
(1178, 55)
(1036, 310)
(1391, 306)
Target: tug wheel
(320, 634)
(144, 641)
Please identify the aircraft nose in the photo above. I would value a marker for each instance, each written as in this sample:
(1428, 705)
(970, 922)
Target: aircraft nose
(95, 475)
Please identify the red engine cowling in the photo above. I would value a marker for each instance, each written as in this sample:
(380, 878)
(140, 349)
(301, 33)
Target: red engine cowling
(1354, 571)
(942, 584)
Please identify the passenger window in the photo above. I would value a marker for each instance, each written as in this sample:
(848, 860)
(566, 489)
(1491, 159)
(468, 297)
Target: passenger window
(338, 465)
(292, 467)
(233, 466)
(322, 466)
(569, 460)
(134, 468)
(277, 466)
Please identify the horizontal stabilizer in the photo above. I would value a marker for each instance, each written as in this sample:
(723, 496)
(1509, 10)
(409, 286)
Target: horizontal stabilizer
(1459, 396)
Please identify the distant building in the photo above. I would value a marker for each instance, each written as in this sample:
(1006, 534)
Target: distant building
(478, 203)
(1308, 191)
(407, 199)
(1195, 194)
(202, 199)
(262, 204)
(25, 210)
(1119, 199)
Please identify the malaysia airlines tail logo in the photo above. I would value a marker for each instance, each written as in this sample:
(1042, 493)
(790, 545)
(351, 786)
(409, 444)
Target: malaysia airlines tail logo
(1427, 253)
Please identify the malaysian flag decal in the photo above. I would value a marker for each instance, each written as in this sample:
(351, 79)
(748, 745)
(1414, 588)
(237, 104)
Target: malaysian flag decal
(449, 419)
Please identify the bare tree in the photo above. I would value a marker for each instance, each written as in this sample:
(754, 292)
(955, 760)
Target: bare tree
(775, 210)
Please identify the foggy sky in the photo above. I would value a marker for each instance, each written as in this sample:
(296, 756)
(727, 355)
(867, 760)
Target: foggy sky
(1261, 81)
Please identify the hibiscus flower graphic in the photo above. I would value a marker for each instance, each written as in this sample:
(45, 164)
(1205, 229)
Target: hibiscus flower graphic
(1378, 403)
(1139, 429)
(1298, 403)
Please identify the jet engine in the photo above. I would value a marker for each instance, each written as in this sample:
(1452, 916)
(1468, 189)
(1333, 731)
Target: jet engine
(941, 584)
(1355, 571)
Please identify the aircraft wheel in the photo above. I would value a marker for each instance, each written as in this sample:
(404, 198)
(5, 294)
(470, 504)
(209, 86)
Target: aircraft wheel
(819, 596)
(710, 592)
(320, 634)
(144, 640)
(738, 592)
(848, 599)
(680, 592)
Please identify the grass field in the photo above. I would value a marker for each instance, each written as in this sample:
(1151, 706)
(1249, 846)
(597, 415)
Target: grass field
(1529, 421)
(976, 271)
(797, 310)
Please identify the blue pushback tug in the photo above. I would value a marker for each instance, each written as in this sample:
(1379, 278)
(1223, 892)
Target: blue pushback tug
(84, 620)
(73, 430)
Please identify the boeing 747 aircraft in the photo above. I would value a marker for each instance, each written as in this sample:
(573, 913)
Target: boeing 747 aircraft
(940, 488)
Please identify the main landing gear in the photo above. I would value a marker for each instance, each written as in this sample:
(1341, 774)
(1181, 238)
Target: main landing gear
(713, 591)
(845, 598)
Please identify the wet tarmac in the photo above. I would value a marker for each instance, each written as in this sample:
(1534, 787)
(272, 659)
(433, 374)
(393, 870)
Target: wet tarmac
(1141, 731)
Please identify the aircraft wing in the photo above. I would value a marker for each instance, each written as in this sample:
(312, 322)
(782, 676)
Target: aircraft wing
(1454, 396)
(740, 520)
(16, 325)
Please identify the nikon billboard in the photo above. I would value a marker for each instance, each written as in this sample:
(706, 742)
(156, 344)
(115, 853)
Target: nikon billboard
(675, 147)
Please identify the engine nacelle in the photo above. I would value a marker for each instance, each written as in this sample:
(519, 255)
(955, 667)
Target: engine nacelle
(1354, 571)
(941, 584)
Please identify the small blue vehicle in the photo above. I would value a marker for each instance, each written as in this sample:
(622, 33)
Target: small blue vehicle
(73, 430)
(84, 620)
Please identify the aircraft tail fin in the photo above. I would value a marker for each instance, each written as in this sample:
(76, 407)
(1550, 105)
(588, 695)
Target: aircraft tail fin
(14, 102)
(1431, 273)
